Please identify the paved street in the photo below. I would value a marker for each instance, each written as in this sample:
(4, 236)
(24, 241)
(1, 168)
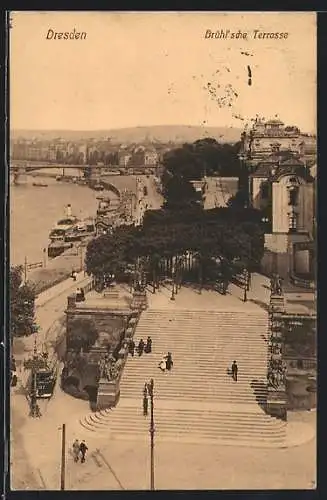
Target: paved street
(178, 465)
(219, 191)
(50, 306)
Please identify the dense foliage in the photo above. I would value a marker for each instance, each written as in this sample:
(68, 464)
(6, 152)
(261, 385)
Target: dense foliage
(221, 232)
(203, 157)
(22, 304)
(182, 226)
(82, 335)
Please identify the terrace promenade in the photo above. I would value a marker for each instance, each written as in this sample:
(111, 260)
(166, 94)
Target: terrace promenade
(36, 448)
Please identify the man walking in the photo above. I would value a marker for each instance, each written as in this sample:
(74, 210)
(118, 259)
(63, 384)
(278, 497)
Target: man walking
(148, 345)
(83, 449)
(76, 450)
(131, 347)
(140, 347)
(169, 361)
(234, 371)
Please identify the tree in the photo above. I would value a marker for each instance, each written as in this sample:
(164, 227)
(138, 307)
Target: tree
(82, 334)
(179, 192)
(87, 171)
(238, 200)
(22, 304)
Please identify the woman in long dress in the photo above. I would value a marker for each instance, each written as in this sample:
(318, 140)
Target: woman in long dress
(162, 364)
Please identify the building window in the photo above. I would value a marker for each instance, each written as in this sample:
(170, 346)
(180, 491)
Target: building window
(292, 222)
(293, 191)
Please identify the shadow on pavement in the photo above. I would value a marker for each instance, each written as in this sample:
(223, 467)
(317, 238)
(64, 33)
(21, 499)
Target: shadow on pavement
(110, 468)
(259, 388)
(259, 303)
(23, 476)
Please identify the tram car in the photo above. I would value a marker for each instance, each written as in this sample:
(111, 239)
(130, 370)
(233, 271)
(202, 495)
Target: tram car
(45, 379)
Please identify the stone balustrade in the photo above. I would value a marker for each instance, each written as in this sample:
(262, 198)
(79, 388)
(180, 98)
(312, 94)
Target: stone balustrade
(109, 390)
(276, 404)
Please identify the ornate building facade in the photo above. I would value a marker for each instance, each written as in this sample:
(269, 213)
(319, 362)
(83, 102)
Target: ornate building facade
(282, 187)
(273, 137)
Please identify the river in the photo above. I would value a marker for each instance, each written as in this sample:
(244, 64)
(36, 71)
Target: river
(34, 210)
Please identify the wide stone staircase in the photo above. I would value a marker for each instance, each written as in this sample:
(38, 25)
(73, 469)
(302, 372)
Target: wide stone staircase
(197, 401)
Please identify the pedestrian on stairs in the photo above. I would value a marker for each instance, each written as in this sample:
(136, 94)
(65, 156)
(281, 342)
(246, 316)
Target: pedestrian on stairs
(148, 345)
(140, 347)
(83, 449)
(234, 371)
(76, 450)
(169, 361)
(131, 347)
(162, 365)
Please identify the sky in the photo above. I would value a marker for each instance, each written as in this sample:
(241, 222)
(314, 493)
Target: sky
(143, 69)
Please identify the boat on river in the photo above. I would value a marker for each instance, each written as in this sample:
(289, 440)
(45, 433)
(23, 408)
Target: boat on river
(68, 230)
(96, 185)
(81, 230)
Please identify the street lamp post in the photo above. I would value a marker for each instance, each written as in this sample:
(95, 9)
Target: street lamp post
(246, 285)
(245, 293)
(34, 364)
(63, 457)
(173, 290)
(244, 177)
(149, 390)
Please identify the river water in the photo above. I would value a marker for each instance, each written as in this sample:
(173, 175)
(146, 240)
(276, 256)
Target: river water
(35, 210)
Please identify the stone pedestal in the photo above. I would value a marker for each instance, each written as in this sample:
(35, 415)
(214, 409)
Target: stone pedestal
(277, 304)
(301, 391)
(111, 293)
(108, 394)
(276, 405)
(71, 302)
(139, 301)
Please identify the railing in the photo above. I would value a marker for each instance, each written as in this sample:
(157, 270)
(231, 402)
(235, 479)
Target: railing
(34, 265)
(302, 363)
(89, 286)
(110, 389)
(310, 285)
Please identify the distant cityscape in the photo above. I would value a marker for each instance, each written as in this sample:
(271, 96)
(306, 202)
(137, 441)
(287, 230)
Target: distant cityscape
(272, 136)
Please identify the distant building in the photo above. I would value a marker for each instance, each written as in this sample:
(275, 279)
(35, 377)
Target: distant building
(273, 137)
(124, 159)
(151, 157)
(285, 193)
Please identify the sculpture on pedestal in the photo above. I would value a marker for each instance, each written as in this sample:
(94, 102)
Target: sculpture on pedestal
(276, 285)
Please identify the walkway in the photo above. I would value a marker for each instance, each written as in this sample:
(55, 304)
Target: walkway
(190, 297)
(50, 306)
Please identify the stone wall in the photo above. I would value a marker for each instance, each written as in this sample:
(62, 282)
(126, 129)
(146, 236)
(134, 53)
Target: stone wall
(301, 389)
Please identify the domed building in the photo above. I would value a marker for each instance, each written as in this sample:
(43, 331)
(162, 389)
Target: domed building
(273, 137)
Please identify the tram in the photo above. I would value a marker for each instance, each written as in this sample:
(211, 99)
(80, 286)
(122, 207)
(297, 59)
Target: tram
(45, 379)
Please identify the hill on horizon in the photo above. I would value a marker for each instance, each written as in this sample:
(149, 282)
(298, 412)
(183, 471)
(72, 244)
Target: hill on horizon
(159, 133)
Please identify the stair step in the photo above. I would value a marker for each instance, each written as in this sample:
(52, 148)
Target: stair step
(203, 346)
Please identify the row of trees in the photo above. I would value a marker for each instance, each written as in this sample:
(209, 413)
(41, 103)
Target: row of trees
(219, 233)
(182, 226)
(22, 304)
(191, 162)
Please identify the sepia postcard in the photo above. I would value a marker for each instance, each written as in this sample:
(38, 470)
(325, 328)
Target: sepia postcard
(162, 192)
